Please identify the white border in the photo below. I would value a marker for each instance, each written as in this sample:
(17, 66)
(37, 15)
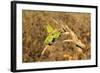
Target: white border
(37, 65)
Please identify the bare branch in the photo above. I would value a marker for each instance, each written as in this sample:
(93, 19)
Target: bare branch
(74, 36)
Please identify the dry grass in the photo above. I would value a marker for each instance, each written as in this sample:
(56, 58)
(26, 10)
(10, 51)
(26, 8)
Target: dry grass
(34, 34)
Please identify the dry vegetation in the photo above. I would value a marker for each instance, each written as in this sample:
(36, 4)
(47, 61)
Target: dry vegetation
(34, 34)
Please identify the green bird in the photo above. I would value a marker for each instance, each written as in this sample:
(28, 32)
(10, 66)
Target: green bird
(52, 35)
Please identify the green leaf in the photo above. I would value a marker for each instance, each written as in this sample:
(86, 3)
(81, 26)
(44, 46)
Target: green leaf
(56, 35)
(49, 29)
(48, 39)
(53, 34)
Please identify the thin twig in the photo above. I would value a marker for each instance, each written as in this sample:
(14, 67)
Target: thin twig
(44, 49)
